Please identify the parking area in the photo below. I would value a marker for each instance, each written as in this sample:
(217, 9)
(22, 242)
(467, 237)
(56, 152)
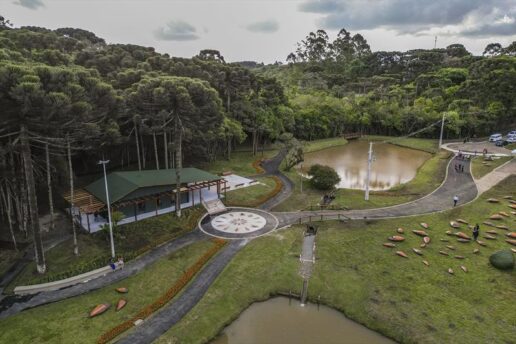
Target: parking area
(478, 147)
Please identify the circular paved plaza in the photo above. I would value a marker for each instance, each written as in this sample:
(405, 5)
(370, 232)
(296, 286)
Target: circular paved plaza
(238, 223)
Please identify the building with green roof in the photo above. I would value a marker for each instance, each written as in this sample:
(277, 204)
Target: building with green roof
(142, 194)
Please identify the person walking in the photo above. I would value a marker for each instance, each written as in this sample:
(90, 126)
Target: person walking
(455, 200)
(476, 231)
(462, 168)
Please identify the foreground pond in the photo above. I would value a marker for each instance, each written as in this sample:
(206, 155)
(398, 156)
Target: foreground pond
(275, 321)
(394, 165)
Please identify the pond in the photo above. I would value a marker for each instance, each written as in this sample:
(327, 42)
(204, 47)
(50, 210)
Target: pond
(277, 321)
(393, 165)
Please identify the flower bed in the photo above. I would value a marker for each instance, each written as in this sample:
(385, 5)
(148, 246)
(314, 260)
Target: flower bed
(260, 200)
(258, 167)
(166, 297)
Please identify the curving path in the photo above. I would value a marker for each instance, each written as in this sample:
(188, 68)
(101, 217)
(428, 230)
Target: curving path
(272, 168)
(13, 304)
(460, 184)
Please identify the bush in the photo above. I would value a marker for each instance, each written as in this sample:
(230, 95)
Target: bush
(502, 260)
(323, 177)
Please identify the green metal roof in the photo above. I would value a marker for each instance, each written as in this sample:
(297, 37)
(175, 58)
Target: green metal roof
(121, 184)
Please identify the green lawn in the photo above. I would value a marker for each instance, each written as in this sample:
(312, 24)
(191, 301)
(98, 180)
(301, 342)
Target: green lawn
(429, 176)
(240, 163)
(427, 145)
(312, 146)
(511, 146)
(245, 196)
(67, 322)
(354, 273)
(94, 249)
(480, 167)
(7, 258)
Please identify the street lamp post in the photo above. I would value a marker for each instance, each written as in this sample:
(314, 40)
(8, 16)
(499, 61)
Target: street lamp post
(103, 163)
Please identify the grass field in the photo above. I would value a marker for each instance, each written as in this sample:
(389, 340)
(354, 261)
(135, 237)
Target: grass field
(245, 196)
(399, 297)
(240, 163)
(427, 145)
(67, 321)
(480, 168)
(312, 146)
(429, 176)
(135, 236)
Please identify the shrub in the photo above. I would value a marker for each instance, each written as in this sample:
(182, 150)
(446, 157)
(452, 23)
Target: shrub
(503, 260)
(323, 177)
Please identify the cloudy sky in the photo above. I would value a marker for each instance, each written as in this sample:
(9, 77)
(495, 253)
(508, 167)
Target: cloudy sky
(267, 30)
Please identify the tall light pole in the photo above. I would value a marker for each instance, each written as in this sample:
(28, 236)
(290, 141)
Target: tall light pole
(442, 130)
(103, 163)
(369, 163)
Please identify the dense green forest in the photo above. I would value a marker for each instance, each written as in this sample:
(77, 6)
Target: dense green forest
(67, 99)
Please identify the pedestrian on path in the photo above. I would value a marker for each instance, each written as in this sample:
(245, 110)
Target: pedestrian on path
(456, 168)
(455, 200)
(476, 231)
(462, 168)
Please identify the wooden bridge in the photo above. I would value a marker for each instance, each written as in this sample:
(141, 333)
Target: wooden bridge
(351, 136)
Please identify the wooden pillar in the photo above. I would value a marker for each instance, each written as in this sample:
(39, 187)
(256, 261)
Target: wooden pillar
(200, 195)
(80, 216)
(193, 197)
(225, 189)
(88, 222)
(218, 188)
(135, 212)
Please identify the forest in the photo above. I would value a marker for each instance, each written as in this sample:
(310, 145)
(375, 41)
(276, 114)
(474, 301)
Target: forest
(68, 98)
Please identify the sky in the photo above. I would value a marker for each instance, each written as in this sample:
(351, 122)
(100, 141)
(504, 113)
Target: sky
(266, 30)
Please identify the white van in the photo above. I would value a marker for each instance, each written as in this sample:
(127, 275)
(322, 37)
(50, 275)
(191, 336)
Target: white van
(495, 137)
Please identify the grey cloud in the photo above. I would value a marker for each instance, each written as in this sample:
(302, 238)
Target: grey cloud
(31, 4)
(321, 6)
(176, 30)
(488, 30)
(266, 26)
(407, 16)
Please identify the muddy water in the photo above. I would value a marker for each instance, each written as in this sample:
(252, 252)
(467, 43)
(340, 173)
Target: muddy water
(393, 165)
(275, 321)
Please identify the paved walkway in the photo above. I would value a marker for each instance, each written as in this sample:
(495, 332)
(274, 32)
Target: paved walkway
(497, 175)
(14, 304)
(460, 184)
(478, 147)
(272, 168)
(173, 312)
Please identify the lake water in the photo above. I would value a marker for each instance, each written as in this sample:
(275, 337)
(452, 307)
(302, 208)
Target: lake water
(393, 165)
(275, 321)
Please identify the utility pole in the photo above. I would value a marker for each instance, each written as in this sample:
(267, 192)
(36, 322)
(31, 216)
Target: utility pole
(442, 130)
(435, 42)
(369, 163)
(103, 163)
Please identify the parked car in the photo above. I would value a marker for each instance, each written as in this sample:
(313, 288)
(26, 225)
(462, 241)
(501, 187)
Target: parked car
(512, 133)
(501, 143)
(495, 137)
(511, 138)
